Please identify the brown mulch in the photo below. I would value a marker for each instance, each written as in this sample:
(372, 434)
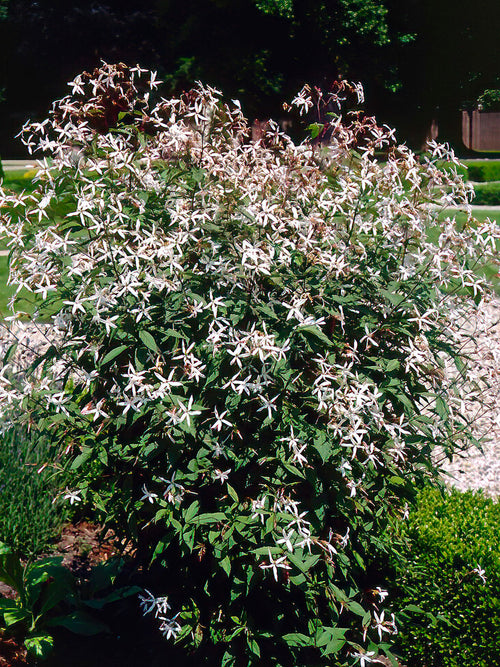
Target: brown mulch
(84, 544)
(12, 654)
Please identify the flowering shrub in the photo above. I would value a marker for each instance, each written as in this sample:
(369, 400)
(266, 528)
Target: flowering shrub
(249, 363)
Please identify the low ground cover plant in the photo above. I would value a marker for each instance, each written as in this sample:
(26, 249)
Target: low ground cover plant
(19, 180)
(49, 598)
(250, 360)
(30, 519)
(451, 564)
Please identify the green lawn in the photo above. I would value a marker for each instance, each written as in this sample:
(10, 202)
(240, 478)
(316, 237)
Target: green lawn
(19, 179)
(5, 290)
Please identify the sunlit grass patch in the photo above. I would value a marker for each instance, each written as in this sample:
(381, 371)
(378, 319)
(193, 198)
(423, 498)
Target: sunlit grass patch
(29, 520)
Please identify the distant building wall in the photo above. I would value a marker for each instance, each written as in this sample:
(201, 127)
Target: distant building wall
(481, 130)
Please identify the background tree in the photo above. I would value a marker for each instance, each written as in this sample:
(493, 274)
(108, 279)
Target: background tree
(418, 60)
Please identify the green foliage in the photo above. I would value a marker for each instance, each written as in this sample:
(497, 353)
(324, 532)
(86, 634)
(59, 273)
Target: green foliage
(29, 519)
(48, 598)
(450, 568)
(483, 170)
(278, 7)
(489, 100)
(247, 367)
(41, 587)
(461, 169)
(19, 180)
(487, 194)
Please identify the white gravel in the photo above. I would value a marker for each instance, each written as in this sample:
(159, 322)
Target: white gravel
(475, 469)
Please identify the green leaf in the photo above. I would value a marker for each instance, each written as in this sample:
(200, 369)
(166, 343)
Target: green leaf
(81, 458)
(297, 639)
(392, 365)
(253, 646)
(415, 608)
(80, 623)
(315, 129)
(120, 594)
(11, 568)
(47, 584)
(12, 616)
(395, 299)
(303, 564)
(8, 605)
(39, 646)
(330, 633)
(213, 517)
(356, 608)
(10, 351)
(225, 564)
(191, 511)
(316, 332)
(148, 340)
(232, 493)
(112, 354)
(228, 660)
(398, 481)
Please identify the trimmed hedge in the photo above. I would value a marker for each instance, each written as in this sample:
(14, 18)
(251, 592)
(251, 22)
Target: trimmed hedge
(482, 171)
(451, 569)
(487, 194)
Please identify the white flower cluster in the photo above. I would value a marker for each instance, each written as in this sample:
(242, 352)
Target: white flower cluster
(160, 606)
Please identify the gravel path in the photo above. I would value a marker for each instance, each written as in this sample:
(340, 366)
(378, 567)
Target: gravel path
(481, 470)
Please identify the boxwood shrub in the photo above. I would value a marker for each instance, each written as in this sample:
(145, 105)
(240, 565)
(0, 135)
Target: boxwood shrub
(451, 567)
(482, 171)
(487, 194)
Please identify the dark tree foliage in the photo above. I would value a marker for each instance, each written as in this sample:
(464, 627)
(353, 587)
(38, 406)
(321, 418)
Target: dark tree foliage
(418, 60)
(260, 51)
(46, 42)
